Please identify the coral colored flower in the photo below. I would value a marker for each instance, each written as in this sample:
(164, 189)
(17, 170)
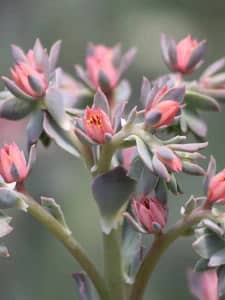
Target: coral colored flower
(13, 166)
(162, 103)
(216, 188)
(97, 124)
(184, 51)
(23, 72)
(33, 71)
(168, 110)
(204, 285)
(169, 159)
(184, 57)
(100, 62)
(150, 213)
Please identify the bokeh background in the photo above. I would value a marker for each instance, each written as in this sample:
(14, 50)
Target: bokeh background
(39, 267)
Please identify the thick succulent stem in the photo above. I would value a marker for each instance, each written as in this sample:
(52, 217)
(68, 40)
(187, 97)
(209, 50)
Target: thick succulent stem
(160, 245)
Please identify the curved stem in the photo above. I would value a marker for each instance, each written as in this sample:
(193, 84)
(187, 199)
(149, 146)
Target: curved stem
(161, 243)
(65, 236)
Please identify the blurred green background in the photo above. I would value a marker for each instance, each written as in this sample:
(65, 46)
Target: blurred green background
(39, 267)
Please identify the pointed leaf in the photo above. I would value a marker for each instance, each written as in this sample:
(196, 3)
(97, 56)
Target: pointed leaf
(35, 128)
(131, 251)
(55, 105)
(16, 109)
(84, 286)
(111, 191)
(18, 54)
(207, 245)
(143, 151)
(201, 101)
(196, 124)
(15, 90)
(100, 101)
(217, 259)
(60, 136)
(54, 55)
(8, 198)
(55, 210)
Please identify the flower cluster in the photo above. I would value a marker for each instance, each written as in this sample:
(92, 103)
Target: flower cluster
(134, 153)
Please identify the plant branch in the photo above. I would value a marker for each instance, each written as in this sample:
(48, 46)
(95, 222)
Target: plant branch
(113, 265)
(65, 236)
(161, 243)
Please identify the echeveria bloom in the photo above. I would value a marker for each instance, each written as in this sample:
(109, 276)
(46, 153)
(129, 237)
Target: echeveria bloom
(216, 187)
(185, 56)
(150, 213)
(32, 71)
(99, 62)
(24, 72)
(96, 124)
(162, 103)
(13, 166)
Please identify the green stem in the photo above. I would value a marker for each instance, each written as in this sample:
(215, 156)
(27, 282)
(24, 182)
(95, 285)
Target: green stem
(65, 236)
(113, 265)
(160, 245)
(117, 142)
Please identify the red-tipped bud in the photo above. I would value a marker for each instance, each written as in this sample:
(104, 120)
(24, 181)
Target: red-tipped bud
(150, 213)
(184, 51)
(169, 159)
(29, 78)
(204, 285)
(216, 187)
(99, 63)
(97, 124)
(185, 56)
(13, 166)
(168, 110)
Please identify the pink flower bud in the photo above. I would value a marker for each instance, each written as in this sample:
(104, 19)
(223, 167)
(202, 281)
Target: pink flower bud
(30, 78)
(184, 50)
(168, 110)
(169, 159)
(184, 57)
(100, 60)
(204, 285)
(13, 166)
(162, 102)
(216, 188)
(97, 124)
(150, 213)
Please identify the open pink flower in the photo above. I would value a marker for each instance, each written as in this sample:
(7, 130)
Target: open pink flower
(150, 213)
(96, 124)
(216, 188)
(204, 285)
(100, 63)
(13, 166)
(30, 78)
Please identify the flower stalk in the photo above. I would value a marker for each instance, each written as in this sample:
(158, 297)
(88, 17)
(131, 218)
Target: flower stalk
(64, 236)
(161, 243)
